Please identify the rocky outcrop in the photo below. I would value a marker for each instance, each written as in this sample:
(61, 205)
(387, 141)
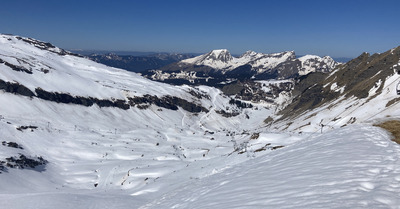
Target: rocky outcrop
(23, 162)
(15, 88)
(168, 102)
(15, 68)
(355, 79)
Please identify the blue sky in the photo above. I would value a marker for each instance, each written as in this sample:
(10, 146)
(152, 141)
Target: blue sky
(336, 28)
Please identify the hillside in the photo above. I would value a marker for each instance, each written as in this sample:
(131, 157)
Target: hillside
(79, 134)
(362, 90)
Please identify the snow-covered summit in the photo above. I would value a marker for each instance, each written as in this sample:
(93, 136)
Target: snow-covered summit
(222, 60)
(312, 63)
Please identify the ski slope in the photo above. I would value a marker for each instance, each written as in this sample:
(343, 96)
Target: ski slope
(354, 167)
(155, 157)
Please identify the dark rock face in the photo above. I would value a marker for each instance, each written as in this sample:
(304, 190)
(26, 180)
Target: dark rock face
(24, 162)
(227, 114)
(16, 68)
(167, 102)
(21, 128)
(12, 144)
(15, 88)
(68, 99)
(355, 79)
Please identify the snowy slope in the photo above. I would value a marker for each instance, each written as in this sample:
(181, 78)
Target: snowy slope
(361, 91)
(72, 74)
(96, 150)
(152, 155)
(349, 168)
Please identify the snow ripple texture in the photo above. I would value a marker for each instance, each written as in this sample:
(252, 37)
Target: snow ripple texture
(356, 167)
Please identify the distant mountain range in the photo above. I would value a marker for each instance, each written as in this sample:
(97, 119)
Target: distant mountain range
(220, 67)
(137, 61)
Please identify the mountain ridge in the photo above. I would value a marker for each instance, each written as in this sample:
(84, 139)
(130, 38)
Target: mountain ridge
(219, 66)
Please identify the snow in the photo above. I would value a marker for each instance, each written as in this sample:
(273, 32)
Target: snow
(343, 111)
(312, 63)
(160, 158)
(340, 169)
(259, 61)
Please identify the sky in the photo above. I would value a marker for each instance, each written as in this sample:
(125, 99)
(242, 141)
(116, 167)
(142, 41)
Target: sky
(341, 28)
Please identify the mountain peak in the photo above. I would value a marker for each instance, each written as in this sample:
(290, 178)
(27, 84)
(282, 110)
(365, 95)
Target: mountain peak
(314, 63)
(249, 53)
(219, 54)
(218, 59)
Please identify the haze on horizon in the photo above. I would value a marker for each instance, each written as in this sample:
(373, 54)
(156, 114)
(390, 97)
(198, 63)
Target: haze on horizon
(335, 28)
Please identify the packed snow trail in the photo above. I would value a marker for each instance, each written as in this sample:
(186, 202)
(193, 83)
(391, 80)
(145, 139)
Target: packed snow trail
(353, 167)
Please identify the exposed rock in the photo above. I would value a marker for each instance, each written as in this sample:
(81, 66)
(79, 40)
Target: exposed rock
(23, 162)
(12, 144)
(14, 67)
(15, 88)
(168, 102)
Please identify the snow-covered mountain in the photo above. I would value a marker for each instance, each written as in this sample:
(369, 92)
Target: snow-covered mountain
(219, 66)
(313, 63)
(364, 89)
(221, 59)
(79, 134)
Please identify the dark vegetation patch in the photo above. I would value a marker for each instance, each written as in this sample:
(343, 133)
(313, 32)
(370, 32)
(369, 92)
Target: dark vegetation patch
(186, 67)
(284, 70)
(393, 126)
(15, 68)
(240, 104)
(253, 91)
(12, 144)
(23, 162)
(241, 73)
(198, 95)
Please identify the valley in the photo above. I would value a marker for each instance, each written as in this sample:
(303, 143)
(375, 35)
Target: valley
(299, 131)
